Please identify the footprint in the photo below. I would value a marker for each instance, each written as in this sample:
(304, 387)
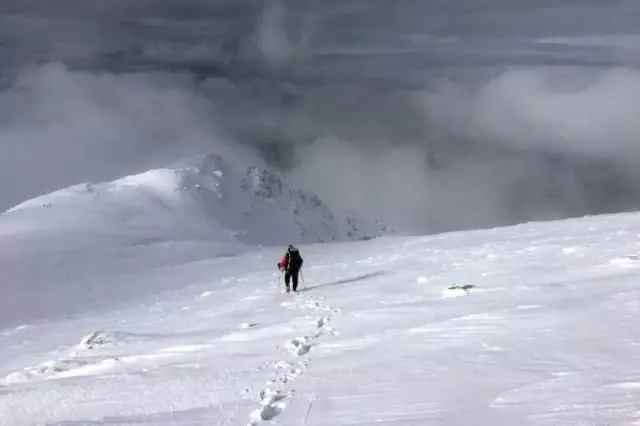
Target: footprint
(266, 413)
(300, 346)
(329, 330)
(272, 402)
(322, 322)
(291, 372)
(281, 365)
(294, 373)
(270, 397)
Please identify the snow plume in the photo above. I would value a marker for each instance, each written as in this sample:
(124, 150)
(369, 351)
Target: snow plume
(448, 154)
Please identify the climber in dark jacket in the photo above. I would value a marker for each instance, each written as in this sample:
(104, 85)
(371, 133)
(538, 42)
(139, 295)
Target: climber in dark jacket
(291, 263)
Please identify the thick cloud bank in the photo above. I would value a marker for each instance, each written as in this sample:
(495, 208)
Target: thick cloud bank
(60, 127)
(512, 146)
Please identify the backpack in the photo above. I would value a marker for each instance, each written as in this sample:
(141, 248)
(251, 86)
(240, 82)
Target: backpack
(295, 261)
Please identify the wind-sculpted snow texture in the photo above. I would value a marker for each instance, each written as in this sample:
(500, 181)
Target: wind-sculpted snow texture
(530, 325)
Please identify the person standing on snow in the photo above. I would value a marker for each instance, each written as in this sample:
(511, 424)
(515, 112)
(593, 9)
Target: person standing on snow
(291, 263)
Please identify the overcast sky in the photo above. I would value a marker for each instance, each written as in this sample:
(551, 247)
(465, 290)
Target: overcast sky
(123, 34)
(435, 95)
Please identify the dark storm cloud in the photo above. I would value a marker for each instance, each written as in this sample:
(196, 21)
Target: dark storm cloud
(155, 33)
(436, 114)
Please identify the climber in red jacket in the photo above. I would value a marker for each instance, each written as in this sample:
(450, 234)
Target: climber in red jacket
(291, 263)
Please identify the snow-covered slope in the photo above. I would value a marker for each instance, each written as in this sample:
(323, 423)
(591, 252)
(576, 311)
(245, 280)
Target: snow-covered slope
(205, 197)
(112, 243)
(529, 325)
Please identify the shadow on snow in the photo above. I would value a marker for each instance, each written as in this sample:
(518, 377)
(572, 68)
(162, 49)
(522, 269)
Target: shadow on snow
(347, 280)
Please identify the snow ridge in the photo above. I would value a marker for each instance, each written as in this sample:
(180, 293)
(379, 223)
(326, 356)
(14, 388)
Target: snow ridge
(207, 196)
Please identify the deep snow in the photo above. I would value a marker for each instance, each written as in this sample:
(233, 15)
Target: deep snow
(533, 324)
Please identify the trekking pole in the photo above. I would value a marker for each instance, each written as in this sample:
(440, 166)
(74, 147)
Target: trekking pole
(279, 278)
(302, 276)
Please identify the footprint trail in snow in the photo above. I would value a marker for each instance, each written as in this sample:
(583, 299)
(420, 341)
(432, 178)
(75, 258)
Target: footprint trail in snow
(275, 396)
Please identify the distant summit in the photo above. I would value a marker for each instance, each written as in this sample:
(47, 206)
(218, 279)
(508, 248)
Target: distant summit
(204, 197)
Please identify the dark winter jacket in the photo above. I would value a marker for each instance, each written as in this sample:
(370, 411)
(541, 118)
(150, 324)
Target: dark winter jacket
(291, 261)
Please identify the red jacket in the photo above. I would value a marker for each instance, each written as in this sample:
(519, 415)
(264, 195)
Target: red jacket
(283, 262)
